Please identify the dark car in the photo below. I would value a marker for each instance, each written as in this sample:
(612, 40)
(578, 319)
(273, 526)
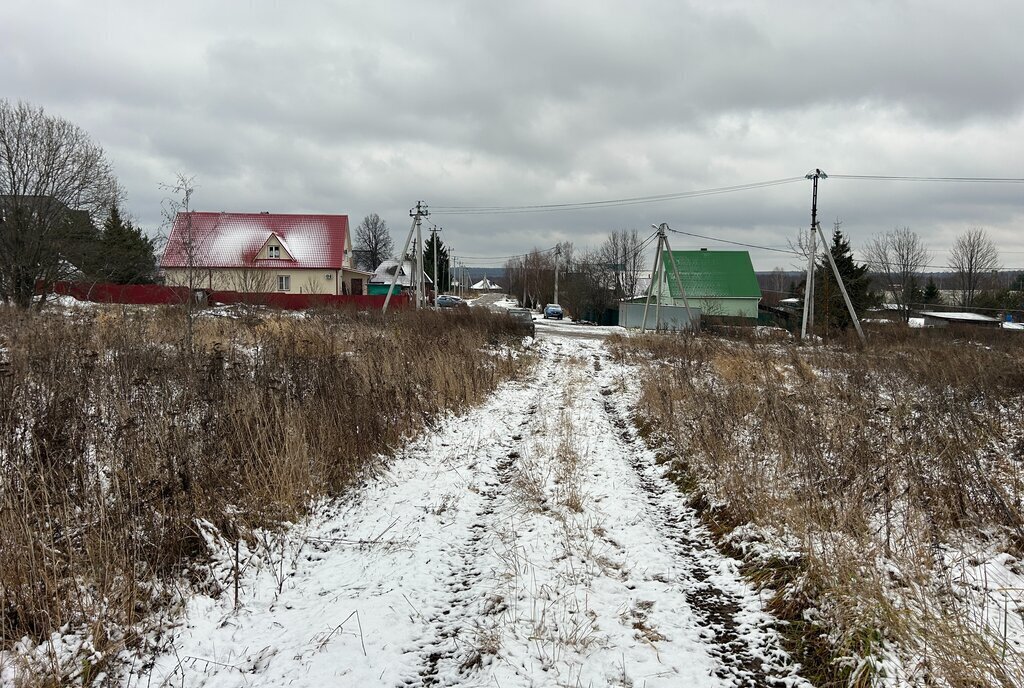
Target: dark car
(553, 310)
(524, 318)
(449, 301)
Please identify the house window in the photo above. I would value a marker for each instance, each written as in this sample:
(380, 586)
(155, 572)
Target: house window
(273, 251)
(284, 283)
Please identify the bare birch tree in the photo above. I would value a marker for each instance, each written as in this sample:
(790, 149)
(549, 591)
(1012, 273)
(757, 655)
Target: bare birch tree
(54, 179)
(373, 242)
(622, 253)
(974, 258)
(898, 257)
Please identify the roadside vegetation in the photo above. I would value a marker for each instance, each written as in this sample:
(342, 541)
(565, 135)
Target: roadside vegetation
(122, 441)
(875, 493)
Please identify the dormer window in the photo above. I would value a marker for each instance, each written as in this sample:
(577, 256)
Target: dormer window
(273, 251)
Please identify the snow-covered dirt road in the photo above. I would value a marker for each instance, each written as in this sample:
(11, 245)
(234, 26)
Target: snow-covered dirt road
(530, 542)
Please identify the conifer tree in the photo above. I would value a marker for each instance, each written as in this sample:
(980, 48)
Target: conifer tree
(829, 308)
(127, 255)
(931, 296)
(443, 271)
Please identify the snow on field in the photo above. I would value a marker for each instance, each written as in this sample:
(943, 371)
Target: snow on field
(531, 542)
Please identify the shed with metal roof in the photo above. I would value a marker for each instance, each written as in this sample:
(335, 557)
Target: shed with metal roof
(720, 283)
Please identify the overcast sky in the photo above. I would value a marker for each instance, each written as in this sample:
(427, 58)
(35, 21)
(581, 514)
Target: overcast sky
(360, 107)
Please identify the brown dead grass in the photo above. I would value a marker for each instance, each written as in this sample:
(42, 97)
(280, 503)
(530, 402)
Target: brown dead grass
(116, 439)
(865, 461)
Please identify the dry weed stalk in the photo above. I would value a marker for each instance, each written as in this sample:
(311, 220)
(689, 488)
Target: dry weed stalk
(118, 438)
(866, 461)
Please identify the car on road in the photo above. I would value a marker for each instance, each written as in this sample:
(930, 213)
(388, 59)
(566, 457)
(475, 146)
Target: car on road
(553, 310)
(524, 319)
(449, 301)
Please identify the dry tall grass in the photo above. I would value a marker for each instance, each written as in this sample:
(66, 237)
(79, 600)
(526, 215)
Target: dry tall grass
(116, 439)
(868, 465)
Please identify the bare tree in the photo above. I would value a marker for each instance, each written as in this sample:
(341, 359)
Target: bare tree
(250, 281)
(373, 242)
(532, 276)
(974, 258)
(899, 257)
(623, 255)
(776, 287)
(54, 179)
(178, 209)
(590, 285)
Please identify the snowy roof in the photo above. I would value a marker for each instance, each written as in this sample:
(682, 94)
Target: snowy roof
(233, 240)
(487, 285)
(959, 317)
(385, 272)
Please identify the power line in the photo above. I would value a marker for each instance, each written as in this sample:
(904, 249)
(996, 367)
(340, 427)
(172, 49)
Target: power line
(802, 255)
(738, 243)
(897, 178)
(607, 203)
(517, 255)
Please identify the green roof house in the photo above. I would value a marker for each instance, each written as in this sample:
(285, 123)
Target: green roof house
(720, 283)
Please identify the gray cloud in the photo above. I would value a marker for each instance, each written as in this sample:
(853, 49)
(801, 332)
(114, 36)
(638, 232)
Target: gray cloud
(358, 107)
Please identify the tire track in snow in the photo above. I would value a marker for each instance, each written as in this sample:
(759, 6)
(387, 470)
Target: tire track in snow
(447, 545)
(741, 636)
(447, 655)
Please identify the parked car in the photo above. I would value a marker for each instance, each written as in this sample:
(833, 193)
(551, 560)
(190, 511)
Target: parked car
(449, 301)
(553, 310)
(524, 318)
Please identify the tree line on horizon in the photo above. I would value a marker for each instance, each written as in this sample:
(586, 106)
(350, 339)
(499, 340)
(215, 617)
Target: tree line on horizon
(61, 218)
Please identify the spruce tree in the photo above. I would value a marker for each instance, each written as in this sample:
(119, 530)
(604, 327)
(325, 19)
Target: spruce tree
(931, 296)
(443, 272)
(128, 256)
(829, 309)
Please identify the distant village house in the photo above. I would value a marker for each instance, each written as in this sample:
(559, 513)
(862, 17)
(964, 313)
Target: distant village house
(261, 253)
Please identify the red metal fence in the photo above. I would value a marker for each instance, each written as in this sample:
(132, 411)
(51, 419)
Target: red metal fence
(301, 302)
(142, 294)
(158, 294)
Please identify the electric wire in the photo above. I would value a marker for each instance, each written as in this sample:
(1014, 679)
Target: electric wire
(608, 203)
(554, 207)
(737, 243)
(917, 178)
(803, 256)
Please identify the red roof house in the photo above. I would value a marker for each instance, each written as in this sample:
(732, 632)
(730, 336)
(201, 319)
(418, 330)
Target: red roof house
(262, 252)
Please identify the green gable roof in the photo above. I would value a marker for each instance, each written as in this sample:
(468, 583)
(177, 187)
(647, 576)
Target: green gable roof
(712, 274)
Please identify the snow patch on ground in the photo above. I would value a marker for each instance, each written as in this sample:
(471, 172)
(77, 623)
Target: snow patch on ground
(531, 542)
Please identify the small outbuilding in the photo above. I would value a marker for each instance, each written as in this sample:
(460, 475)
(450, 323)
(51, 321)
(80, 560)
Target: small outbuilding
(381, 279)
(719, 283)
(939, 319)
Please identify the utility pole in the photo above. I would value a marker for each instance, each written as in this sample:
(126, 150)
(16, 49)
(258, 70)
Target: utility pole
(417, 214)
(657, 274)
(524, 282)
(433, 240)
(809, 287)
(558, 254)
(808, 320)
